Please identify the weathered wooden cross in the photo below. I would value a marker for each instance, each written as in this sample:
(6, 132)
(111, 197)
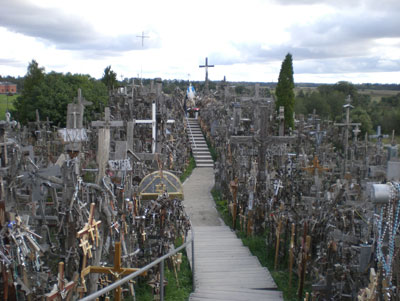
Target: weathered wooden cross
(63, 288)
(116, 271)
(347, 124)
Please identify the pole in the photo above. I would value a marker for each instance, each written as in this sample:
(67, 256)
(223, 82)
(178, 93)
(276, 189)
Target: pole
(162, 280)
(193, 270)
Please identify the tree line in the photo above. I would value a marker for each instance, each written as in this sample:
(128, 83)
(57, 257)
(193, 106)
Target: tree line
(328, 101)
(50, 93)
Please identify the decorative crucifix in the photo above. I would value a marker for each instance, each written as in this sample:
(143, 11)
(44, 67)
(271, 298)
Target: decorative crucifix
(206, 66)
(89, 230)
(347, 124)
(63, 288)
(313, 168)
(116, 271)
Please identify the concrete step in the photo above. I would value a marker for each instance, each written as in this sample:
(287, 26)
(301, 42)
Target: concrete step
(202, 152)
(237, 294)
(200, 165)
(204, 162)
(203, 157)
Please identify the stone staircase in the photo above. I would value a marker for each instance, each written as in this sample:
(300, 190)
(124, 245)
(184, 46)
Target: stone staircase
(200, 150)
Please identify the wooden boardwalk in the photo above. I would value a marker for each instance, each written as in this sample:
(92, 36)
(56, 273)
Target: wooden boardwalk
(224, 268)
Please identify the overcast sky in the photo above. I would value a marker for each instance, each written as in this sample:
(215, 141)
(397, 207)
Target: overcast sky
(330, 40)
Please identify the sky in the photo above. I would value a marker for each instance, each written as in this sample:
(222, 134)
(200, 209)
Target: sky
(247, 40)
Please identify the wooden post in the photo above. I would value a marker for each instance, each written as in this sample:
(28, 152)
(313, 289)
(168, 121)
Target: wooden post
(250, 223)
(302, 264)
(278, 237)
(291, 256)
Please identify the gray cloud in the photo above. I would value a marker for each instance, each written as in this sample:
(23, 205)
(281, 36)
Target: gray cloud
(339, 43)
(346, 4)
(346, 65)
(12, 63)
(65, 31)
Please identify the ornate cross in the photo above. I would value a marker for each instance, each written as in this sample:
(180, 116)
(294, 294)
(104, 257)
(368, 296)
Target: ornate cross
(90, 229)
(315, 166)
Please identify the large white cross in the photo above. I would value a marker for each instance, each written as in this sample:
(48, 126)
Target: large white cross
(153, 122)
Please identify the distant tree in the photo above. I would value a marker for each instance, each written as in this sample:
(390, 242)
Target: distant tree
(50, 94)
(109, 78)
(26, 104)
(285, 90)
(240, 89)
(361, 116)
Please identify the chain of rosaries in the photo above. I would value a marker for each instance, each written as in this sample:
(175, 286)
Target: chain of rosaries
(388, 223)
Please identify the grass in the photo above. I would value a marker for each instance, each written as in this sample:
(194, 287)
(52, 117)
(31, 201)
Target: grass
(376, 95)
(173, 291)
(265, 253)
(212, 150)
(3, 104)
(188, 170)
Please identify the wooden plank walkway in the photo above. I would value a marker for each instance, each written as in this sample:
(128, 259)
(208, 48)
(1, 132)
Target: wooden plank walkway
(224, 268)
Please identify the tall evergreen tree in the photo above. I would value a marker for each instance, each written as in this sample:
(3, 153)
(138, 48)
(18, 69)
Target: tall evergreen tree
(284, 90)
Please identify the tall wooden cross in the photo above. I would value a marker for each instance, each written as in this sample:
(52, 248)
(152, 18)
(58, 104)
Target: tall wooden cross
(347, 124)
(142, 36)
(116, 271)
(206, 66)
(103, 149)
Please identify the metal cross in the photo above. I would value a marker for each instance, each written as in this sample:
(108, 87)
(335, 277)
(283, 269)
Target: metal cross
(143, 37)
(206, 66)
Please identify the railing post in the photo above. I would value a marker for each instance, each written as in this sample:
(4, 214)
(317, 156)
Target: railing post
(162, 280)
(193, 270)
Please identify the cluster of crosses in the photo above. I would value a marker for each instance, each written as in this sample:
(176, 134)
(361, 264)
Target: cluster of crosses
(72, 212)
(309, 188)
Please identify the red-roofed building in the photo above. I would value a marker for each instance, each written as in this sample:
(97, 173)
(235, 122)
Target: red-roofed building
(7, 87)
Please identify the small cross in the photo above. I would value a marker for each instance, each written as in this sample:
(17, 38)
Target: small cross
(160, 188)
(311, 169)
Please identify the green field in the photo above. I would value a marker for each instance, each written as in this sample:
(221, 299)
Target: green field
(3, 104)
(376, 95)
